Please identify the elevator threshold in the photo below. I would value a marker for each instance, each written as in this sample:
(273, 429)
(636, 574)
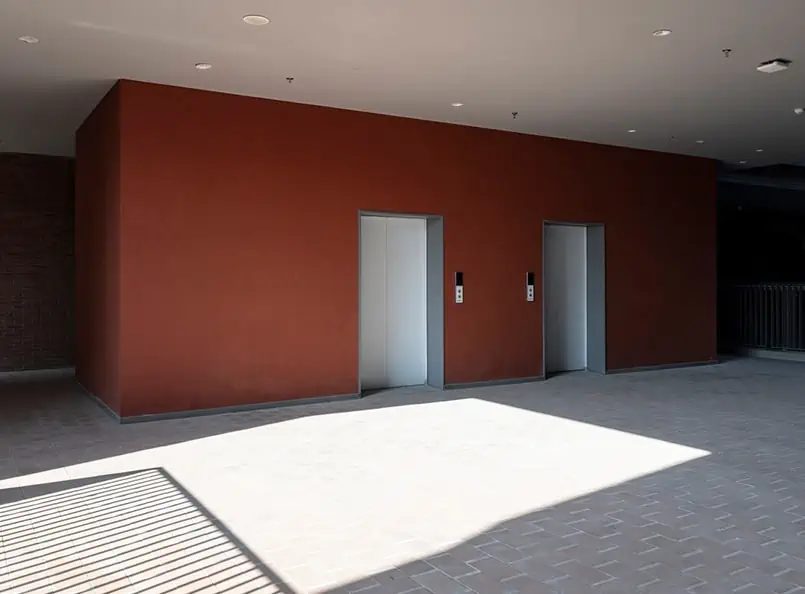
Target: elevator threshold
(411, 388)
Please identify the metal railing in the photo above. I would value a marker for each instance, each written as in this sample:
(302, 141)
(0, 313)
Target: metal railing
(765, 316)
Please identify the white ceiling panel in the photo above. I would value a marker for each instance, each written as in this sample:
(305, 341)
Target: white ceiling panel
(581, 69)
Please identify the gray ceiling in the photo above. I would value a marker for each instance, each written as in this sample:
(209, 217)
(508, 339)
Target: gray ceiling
(582, 69)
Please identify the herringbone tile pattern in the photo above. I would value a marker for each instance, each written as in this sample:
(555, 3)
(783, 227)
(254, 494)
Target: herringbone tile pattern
(701, 528)
(688, 482)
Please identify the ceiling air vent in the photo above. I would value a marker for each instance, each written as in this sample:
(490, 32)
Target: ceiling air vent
(773, 66)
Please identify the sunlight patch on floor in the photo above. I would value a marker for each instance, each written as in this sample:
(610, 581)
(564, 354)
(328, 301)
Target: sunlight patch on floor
(325, 500)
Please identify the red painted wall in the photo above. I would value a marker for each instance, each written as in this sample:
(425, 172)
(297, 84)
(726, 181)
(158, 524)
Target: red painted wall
(237, 211)
(97, 246)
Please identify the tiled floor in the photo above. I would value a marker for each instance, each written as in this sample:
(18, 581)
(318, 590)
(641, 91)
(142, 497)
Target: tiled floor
(677, 481)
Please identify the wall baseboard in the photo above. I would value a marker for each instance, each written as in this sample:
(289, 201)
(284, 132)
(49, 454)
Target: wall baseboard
(663, 367)
(343, 397)
(223, 410)
(37, 374)
(493, 383)
(105, 407)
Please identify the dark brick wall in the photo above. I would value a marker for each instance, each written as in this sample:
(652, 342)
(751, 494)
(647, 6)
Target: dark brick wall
(37, 264)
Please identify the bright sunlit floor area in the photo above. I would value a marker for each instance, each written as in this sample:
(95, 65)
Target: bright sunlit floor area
(675, 481)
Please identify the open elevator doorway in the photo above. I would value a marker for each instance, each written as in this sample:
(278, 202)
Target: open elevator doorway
(574, 298)
(401, 301)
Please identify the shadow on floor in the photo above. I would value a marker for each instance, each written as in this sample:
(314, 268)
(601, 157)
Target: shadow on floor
(733, 520)
(685, 529)
(692, 529)
(132, 532)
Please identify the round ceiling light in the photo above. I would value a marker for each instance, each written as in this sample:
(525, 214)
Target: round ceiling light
(662, 33)
(742, 162)
(700, 142)
(456, 104)
(29, 39)
(758, 150)
(203, 66)
(632, 131)
(256, 19)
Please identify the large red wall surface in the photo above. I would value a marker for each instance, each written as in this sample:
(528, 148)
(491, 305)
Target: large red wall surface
(97, 248)
(239, 244)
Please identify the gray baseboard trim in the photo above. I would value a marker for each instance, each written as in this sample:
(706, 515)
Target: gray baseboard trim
(223, 410)
(493, 383)
(37, 374)
(100, 403)
(797, 356)
(663, 367)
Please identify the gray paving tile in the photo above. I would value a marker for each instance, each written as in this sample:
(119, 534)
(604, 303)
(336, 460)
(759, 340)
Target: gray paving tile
(584, 573)
(540, 570)
(495, 569)
(439, 583)
(523, 584)
(467, 553)
(503, 552)
(450, 565)
(415, 568)
(394, 581)
(618, 586)
(732, 519)
(480, 583)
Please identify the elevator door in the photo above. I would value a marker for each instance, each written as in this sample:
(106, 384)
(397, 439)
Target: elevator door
(565, 288)
(393, 328)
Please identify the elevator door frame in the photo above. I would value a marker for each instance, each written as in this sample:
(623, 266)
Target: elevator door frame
(596, 308)
(434, 292)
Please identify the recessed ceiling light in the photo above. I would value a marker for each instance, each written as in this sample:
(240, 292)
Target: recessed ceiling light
(700, 142)
(742, 162)
(758, 150)
(799, 110)
(29, 39)
(256, 19)
(456, 104)
(662, 33)
(203, 66)
(632, 131)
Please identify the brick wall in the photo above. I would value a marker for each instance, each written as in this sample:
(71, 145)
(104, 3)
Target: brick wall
(37, 265)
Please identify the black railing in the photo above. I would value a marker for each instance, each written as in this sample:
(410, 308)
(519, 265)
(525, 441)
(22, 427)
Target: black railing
(765, 316)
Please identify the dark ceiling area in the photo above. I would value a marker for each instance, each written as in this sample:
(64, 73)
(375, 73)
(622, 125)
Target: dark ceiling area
(788, 172)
